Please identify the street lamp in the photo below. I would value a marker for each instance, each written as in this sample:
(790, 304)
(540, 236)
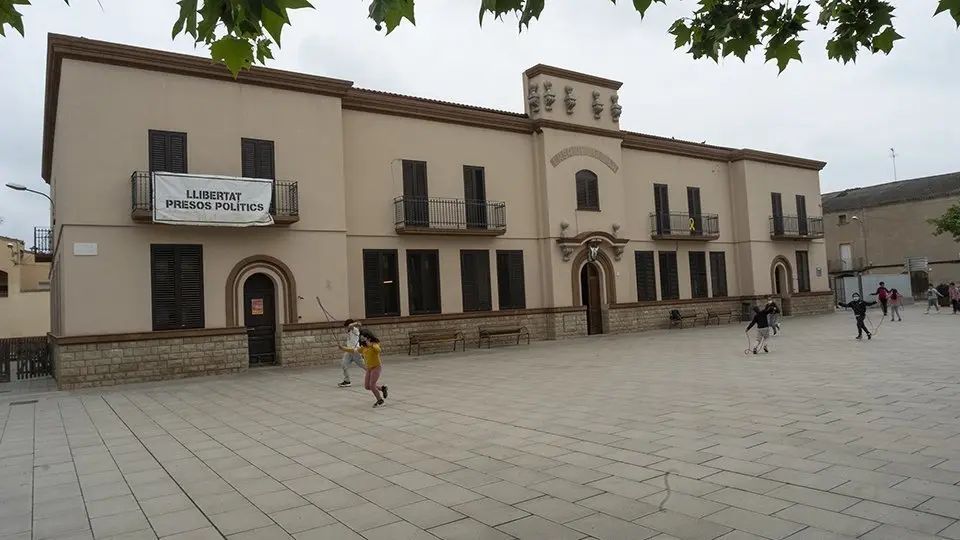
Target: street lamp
(866, 257)
(21, 187)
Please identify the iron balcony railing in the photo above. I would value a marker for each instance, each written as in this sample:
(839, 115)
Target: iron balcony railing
(42, 241)
(854, 264)
(795, 227)
(429, 215)
(284, 205)
(685, 226)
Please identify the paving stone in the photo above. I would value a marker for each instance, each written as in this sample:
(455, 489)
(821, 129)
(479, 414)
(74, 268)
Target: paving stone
(760, 504)
(177, 522)
(899, 517)
(363, 517)
(537, 528)
(427, 514)
(468, 529)
(302, 518)
(827, 520)
(491, 512)
(683, 526)
(759, 524)
(604, 527)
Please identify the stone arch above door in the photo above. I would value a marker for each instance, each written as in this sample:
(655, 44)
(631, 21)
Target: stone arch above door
(286, 287)
(607, 275)
(780, 260)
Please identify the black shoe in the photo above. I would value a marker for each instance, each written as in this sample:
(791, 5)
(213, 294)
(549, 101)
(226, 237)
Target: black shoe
(860, 337)
(344, 384)
(754, 351)
(765, 349)
(384, 390)
(379, 403)
(869, 336)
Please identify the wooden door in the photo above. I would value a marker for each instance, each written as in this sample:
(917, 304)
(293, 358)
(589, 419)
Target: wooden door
(591, 297)
(415, 195)
(661, 202)
(776, 204)
(259, 316)
(693, 207)
(475, 197)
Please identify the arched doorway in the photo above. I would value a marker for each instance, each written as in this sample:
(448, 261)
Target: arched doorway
(260, 318)
(781, 277)
(591, 297)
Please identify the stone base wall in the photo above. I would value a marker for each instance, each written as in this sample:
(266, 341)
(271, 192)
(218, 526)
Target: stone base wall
(812, 303)
(643, 316)
(84, 362)
(316, 344)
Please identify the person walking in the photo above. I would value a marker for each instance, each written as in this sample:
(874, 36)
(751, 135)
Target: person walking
(955, 297)
(859, 308)
(774, 315)
(933, 299)
(882, 294)
(896, 300)
(351, 350)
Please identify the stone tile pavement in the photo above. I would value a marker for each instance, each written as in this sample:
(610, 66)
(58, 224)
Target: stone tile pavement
(660, 436)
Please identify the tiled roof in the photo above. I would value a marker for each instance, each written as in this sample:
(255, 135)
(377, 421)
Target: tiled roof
(916, 189)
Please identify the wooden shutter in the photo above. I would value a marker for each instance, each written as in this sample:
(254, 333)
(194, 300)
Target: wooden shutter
(669, 278)
(776, 203)
(646, 276)
(803, 272)
(475, 280)
(163, 284)
(158, 151)
(423, 281)
(661, 202)
(167, 151)
(510, 280)
(698, 274)
(257, 158)
(178, 153)
(693, 201)
(582, 195)
(718, 273)
(588, 190)
(190, 284)
(372, 284)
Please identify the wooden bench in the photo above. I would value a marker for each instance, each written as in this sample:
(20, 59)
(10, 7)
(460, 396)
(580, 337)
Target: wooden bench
(685, 315)
(716, 314)
(488, 332)
(436, 336)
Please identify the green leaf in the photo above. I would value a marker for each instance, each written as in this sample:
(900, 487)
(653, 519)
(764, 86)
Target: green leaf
(235, 53)
(682, 32)
(642, 6)
(263, 51)
(273, 23)
(188, 18)
(295, 4)
(784, 53)
(531, 10)
(950, 6)
(883, 42)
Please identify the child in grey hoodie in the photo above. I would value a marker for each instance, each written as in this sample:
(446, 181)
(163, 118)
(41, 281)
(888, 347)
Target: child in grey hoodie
(351, 353)
(933, 298)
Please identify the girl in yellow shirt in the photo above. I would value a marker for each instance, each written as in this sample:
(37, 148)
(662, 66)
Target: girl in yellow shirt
(369, 348)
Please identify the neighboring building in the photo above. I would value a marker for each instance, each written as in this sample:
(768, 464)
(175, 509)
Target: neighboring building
(408, 213)
(877, 229)
(24, 288)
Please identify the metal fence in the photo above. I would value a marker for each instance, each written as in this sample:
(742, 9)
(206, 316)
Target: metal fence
(449, 214)
(284, 203)
(31, 354)
(795, 226)
(680, 224)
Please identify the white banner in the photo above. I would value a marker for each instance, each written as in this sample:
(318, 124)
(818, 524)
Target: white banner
(222, 201)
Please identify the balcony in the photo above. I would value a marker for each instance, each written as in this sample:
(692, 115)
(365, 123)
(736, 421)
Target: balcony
(43, 244)
(678, 226)
(794, 228)
(839, 266)
(284, 203)
(423, 215)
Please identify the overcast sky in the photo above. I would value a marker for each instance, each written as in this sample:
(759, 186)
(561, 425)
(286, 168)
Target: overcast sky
(849, 116)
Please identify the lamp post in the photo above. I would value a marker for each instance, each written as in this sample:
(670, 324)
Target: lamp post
(21, 187)
(866, 258)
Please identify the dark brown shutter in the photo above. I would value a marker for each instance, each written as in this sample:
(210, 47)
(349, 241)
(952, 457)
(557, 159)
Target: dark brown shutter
(163, 284)
(669, 277)
(718, 273)
(475, 280)
(423, 281)
(588, 195)
(158, 151)
(803, 271)
(776, 203)
(581, 192)
(698, 274)
(511, 288)
(190, 264)
(372, 284)
(178, 153)
(248, 158)
(646, 276)
(661, 202)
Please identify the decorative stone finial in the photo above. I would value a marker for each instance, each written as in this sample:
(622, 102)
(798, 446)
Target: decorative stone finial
(563, 229)
(616, 229)
(569, 100)
(597, 106)
(615, 108)
(548, 96)
(533, 98)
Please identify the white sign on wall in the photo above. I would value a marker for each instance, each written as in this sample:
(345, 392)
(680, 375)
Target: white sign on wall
(84, 249)
(223, 201)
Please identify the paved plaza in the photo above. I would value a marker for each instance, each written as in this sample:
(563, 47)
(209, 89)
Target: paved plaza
(672, 434)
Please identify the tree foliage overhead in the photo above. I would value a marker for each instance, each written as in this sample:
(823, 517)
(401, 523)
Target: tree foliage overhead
(242, 32)
(949, 222)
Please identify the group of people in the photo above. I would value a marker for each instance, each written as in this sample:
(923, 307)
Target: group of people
(362, 347)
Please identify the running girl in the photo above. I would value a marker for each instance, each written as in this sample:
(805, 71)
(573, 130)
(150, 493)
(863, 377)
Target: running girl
(896, 300)
(370, 350)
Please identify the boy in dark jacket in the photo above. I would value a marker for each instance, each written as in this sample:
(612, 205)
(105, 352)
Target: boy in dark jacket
(761, 319)
(859, 308)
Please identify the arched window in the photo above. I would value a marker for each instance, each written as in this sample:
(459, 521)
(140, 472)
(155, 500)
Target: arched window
(588, 194)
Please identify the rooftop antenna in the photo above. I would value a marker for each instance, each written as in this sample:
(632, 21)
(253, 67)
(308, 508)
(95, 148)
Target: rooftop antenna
(893, 157)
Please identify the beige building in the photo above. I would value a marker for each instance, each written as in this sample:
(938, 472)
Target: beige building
(201, 221)
(877, 229)
(24, 288)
